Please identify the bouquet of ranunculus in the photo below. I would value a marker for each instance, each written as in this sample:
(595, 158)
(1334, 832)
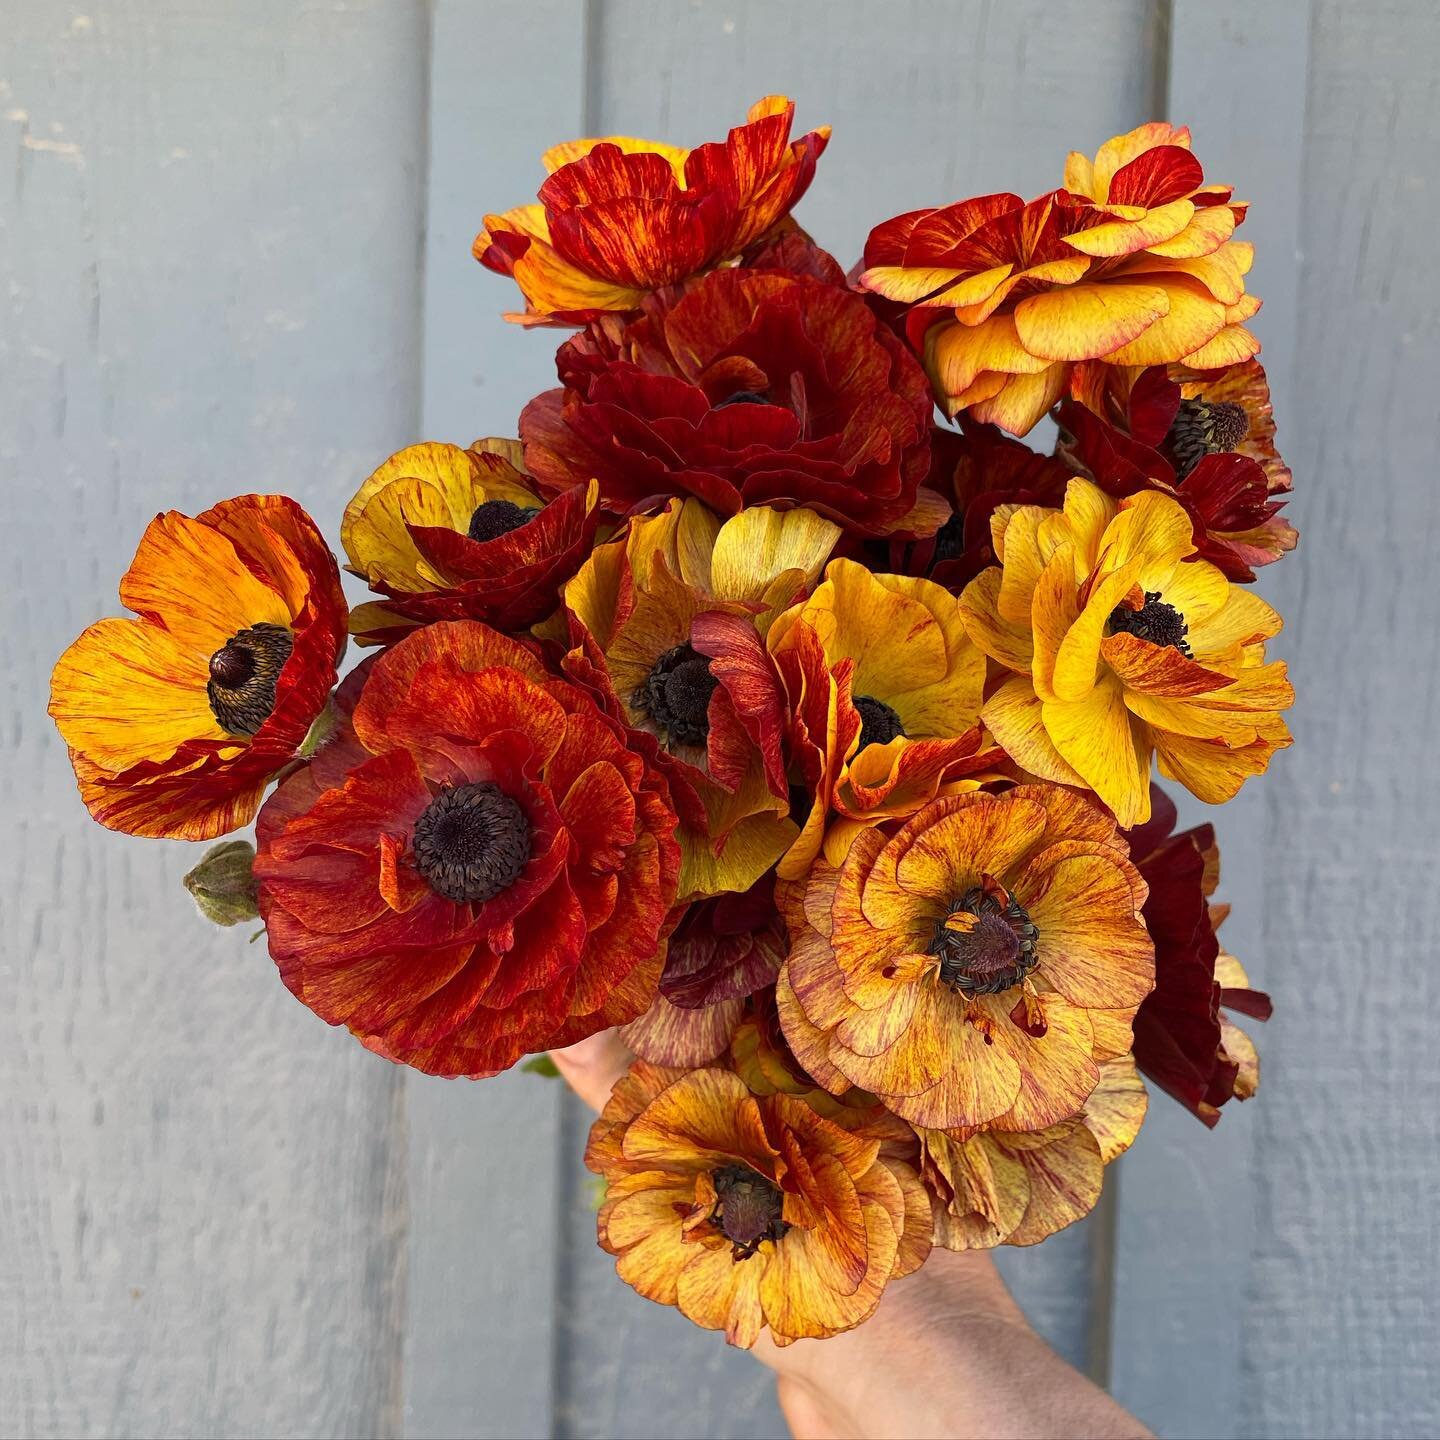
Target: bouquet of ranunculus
(740, 703)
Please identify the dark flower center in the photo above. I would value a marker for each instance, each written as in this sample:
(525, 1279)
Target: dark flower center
(879, 724)
(1201, 428)
(676, 695)
(1156, 621)
(950, 539)
(742, 397)
(988, 943)
(471, 842)
(244, 672)
(499, 517)
(748, 1209)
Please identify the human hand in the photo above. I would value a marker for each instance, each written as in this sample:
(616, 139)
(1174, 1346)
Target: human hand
(947, 1353)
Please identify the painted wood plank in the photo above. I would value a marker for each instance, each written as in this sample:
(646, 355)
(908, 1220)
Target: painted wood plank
(505, 81)
(200, 1197)
(929, 102)
(1339, 1323)
(1187, 1198)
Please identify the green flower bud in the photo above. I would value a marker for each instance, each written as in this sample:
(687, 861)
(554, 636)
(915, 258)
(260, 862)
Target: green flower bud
(223, 883)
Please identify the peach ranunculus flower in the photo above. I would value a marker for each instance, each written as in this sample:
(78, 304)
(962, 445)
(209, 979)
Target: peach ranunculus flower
(997, 1187)
(668, 620)
(452, 534)
(748, 1211)
(1130, 263)
(177, 721)
(1120, 647)
(619, 217)
(974, 968)
(884, 688)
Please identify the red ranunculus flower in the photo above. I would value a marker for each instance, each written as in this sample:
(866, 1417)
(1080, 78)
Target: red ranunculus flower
(750, 386)
(1183, 1040)
(477, 867)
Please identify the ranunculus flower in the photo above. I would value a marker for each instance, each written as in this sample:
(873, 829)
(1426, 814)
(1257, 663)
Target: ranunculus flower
(1121, 648)
(998, 1187)
(477, 867)
(1131, 263)
(884, 689)
(748, 1212)
(1183, 1040)
(452, 534)
(620, 217)
(722, 950)
(975, 967)
(177, 721)
(747, 387)
(668, 621)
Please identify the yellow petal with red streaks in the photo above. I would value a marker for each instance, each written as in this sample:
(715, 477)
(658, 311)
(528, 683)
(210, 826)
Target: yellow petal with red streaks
(1065, 1179)
(719, 1293)
(1095, 736)
(1232, 346)
(1116, 1108)
(706, 1114)
(1021, 401)
(1125, 237)
(1192, 318)
(127, 691)
(1088, 320)
(1014, 715)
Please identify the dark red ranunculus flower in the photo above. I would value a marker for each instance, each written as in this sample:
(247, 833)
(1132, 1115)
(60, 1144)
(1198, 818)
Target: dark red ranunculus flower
(1237, 523)
(476, 867)
(760, 385)
(722, 951)
(1183, 1040)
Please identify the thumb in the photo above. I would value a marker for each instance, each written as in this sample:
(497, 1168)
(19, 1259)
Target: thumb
(592, 1067)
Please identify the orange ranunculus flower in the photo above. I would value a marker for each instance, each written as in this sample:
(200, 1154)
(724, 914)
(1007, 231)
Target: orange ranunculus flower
(477, 866)
(452, 534)
(620, 217)
(670, 619)
(178, 720)
(975, 967)
(884, 688)
(1004, 1188)
(747, 1211)
(1131, 263)
(1121, 647)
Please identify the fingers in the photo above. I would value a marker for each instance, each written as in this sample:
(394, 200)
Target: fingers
(592, 1067)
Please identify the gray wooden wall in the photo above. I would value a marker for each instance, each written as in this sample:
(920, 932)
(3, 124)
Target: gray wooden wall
(234, 255)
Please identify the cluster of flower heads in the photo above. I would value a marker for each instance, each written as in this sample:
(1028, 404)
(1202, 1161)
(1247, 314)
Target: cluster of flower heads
(742, 704)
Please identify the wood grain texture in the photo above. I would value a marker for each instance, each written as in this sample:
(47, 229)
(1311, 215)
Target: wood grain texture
(1187, 1198)
(1339, 1324)
(929, 102)
(203, 293)
(484, 1157)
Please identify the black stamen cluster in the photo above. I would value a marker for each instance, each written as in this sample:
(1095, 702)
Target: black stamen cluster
(1201, 428)
(676, 696)
(1000, 951)
(499, 517)
(244, 673)
(1156, 621)
(471, 842)
(879, 724)
(748, 1209)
